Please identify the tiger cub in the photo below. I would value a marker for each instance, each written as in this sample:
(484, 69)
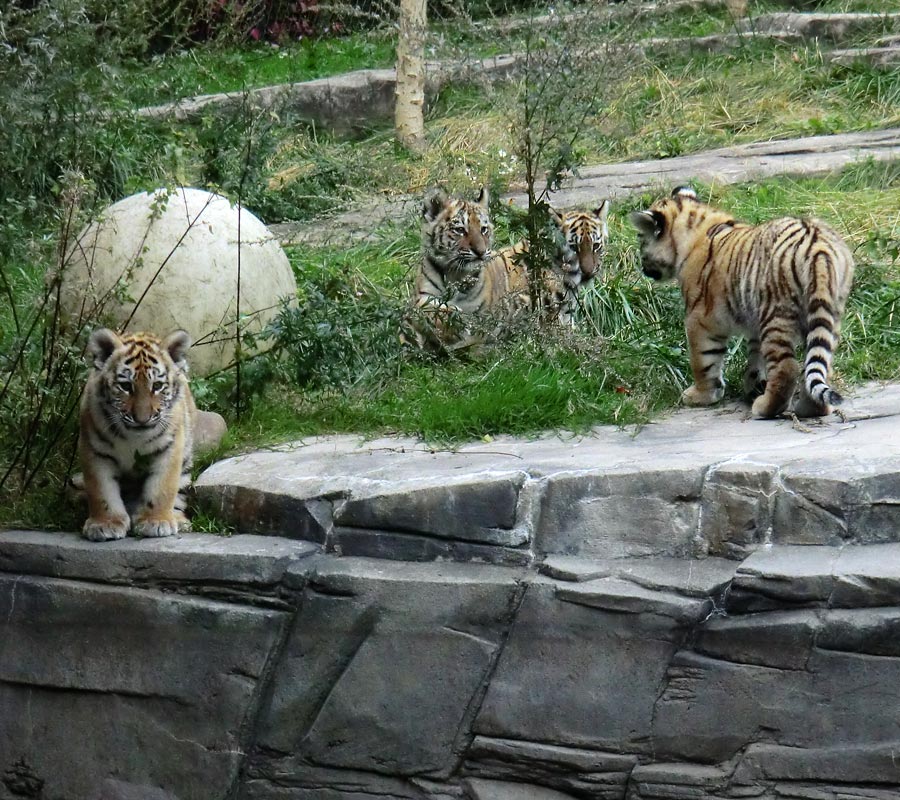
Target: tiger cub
(460, 275)
(779, 283)
(581, 246)
(135, 442)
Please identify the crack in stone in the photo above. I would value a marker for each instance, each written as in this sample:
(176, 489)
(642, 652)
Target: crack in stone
(261, 699)
(464, 736)
(361, 631)
(85, 690)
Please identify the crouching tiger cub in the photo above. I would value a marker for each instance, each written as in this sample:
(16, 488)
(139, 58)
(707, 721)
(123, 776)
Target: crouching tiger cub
(779, 283)
(461, 278)
(459, 275)
(135, 442)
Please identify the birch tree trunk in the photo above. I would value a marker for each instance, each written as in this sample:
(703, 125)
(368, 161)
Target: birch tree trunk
(409, 118)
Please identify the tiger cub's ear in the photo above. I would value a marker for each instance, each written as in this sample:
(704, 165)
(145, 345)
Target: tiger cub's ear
(602, 211)
(483, 197)
(177, 344)
(101, 346)
(435, 202)
(647, 223)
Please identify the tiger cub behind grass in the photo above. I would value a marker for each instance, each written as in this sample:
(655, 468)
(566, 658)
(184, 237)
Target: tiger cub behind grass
(581, 247)
(460, 276)
(136, 440)
(779, 283)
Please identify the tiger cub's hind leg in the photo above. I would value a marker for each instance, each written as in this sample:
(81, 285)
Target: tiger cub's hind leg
(755, 374)
(782, 370)
(806, 406)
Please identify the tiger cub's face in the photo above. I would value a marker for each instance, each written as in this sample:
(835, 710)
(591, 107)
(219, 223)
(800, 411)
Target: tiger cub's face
(582, 242)
(138, 375)
(664, 226)
(457, 234)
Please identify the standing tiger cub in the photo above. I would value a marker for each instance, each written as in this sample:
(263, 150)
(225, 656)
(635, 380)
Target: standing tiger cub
(136, 440)
(778, 284)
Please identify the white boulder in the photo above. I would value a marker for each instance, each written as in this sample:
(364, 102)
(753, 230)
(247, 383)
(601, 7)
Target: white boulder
(170, 259)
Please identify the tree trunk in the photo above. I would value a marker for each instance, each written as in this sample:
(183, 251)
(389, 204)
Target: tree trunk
(409, 112)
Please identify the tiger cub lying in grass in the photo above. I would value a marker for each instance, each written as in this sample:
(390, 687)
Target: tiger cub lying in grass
(778, 284)
(136, 435)
(462, 279)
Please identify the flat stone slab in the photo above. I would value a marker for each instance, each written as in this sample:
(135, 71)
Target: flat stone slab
(699, 483)
(812, 155)
(886, 56)
(827, 27)
(805, 156)
(195, 558)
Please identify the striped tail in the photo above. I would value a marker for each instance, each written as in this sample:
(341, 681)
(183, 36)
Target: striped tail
(821, 337)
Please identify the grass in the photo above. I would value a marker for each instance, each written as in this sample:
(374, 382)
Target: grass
(762, 92)
(229, 68)
(628, 360)
(233, 69)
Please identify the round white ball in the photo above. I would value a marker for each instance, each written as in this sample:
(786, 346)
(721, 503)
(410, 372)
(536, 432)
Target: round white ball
(170, 259)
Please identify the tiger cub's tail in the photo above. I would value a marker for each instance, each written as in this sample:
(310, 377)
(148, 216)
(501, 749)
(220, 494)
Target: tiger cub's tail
(823, 315)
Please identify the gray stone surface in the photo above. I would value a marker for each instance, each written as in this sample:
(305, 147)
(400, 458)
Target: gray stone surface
(708, 577)
(604, 696)
(885, 56)
(94, 678)
(352, 101)
(487, 516)
(867, 576)
(396, 653)
(704, 609)
(481, 789)
(616, 513)
(193, 559)
(711, 709)
(775, 577)
(823, 26)
(701, 482)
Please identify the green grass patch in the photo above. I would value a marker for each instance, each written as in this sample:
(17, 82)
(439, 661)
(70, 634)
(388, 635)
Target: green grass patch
(343, 371)
(214, 69)
(673, 105)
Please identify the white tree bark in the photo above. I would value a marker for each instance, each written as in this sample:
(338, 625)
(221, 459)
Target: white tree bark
(409, 120)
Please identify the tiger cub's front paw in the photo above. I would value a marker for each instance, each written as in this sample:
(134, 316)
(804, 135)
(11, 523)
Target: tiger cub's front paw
(105, 529)
(692, 396)
(156, 527)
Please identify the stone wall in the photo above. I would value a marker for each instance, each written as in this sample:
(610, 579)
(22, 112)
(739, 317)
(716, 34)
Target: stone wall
(574, 625)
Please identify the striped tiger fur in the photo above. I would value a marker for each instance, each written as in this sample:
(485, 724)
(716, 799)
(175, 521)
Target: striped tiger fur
(136, 435)
(461, 279)
(581, 247)
(780, 283)
(460, 276)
